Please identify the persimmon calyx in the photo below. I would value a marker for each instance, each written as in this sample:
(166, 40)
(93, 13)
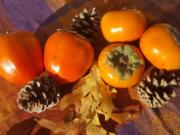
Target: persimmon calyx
(175, 33)
(125, 60)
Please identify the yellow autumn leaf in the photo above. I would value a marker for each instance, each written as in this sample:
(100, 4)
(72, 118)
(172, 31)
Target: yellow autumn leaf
(95, 121)
(100, 92)
(92, 96)
(69, 99)
(53, 126)
(95, 130)
(106, 107)
(86, 108)
(76, 127)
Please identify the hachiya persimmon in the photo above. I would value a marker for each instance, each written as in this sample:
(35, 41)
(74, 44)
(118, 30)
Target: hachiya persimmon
(123, 25)
(67, 56)
(161, 46)
(121, 65)
(21, 58)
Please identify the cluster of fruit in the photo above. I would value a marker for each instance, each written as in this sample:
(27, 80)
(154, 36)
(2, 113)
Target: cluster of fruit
(68, 56)
(122, 65)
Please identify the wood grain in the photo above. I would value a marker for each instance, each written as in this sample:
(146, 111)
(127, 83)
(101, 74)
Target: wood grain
(54, 5)
(43, 17)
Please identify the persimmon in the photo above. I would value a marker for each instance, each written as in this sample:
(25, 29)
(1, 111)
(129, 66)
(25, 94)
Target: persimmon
(123, 25)
(67, 56)
(161, 46)
(21, 58)
(121, 65)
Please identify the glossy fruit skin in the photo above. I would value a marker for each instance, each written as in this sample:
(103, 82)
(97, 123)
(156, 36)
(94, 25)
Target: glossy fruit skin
(123, 25)
(67, 56)
(110, 75)
(21, 58)
(160, 47)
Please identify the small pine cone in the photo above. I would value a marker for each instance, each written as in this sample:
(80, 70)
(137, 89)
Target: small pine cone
(39, 95)
(157, 87)
(86, 23)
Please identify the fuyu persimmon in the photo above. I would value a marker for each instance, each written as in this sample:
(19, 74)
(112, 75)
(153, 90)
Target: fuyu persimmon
(161, 46)
(121, 65)
(21, 58)
(67, 56)
(123, 25)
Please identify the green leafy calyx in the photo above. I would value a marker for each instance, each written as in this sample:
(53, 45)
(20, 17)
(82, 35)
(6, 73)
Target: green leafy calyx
(125, 60)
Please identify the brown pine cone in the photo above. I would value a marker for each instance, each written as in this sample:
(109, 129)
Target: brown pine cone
(39, 95)
(86, 23)
(157, 87)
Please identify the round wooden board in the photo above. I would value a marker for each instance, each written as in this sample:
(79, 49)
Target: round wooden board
(43, 17)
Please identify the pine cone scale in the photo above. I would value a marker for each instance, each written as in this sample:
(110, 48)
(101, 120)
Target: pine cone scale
(39, 95)
(173, 82)
(156, 88)
(86, 23)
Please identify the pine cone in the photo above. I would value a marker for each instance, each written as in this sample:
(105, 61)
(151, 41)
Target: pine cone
(86, 23)
(39, 95)
(157, 87)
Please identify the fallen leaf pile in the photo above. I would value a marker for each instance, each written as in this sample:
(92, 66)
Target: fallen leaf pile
(95, 96)
(89, 98)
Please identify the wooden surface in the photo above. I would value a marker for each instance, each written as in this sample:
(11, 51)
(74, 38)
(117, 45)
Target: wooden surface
(43, 17)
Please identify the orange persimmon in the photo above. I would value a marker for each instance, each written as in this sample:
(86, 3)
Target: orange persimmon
(121, 65)
(67, 56)
(21, 58)
(123, 25)
(161, 46)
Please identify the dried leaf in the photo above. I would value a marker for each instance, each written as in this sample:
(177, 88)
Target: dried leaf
(96, 99)
(113, 93)
(95, 120)
(53, 126)
(69, 114)
(8, 105)
(96, 95)
(92, 96)
(76, 127)
(95, 130)
(106, 105)
(121, 117)
(128, 107)
(86, 109)
(70, 99)
(95, 127)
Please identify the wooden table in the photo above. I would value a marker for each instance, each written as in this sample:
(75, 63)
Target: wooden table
(43, 17)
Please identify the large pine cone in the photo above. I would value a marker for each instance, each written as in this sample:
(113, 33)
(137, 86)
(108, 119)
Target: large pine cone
(86, 23)
(157, 87)
(39, 95)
